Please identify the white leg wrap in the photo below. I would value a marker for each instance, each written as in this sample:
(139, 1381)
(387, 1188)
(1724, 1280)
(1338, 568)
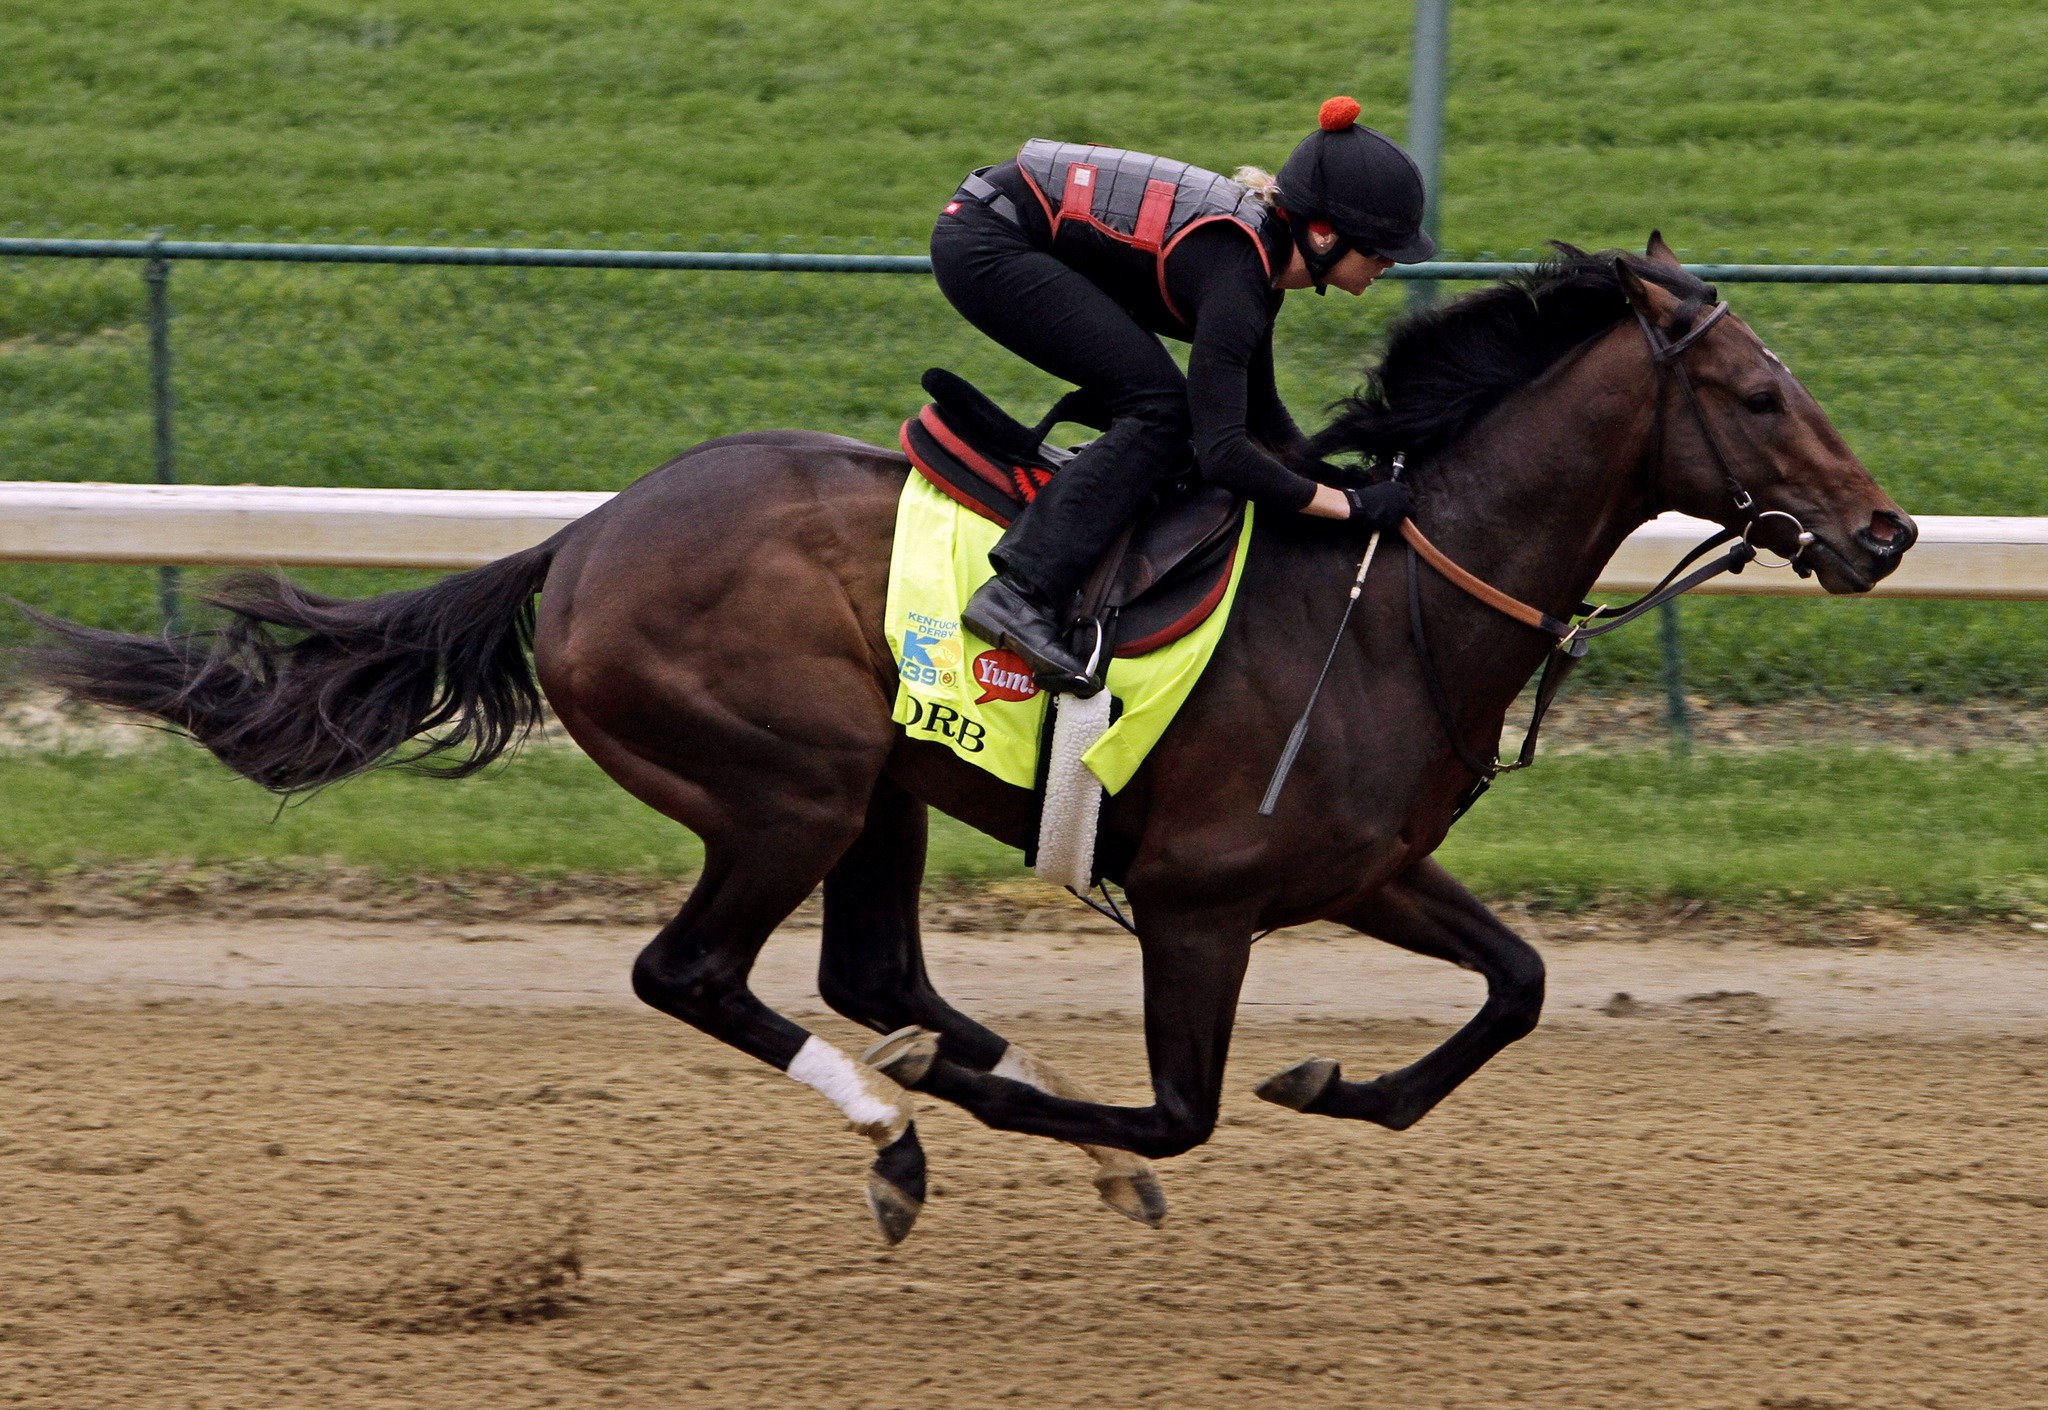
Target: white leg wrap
(876, 1107)
(1073, 795)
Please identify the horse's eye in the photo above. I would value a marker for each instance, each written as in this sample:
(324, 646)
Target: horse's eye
(1764, 403)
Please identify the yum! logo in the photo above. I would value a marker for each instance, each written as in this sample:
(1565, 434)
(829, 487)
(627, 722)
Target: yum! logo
(1003, 675)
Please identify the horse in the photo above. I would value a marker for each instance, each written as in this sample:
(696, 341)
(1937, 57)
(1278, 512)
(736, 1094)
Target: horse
(712, 637)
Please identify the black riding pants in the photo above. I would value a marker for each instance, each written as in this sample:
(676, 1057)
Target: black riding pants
(1061, 321)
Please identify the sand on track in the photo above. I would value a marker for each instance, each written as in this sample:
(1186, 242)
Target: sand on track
(325, 1162)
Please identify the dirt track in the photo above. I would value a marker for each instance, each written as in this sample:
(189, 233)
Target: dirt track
(326, 1162)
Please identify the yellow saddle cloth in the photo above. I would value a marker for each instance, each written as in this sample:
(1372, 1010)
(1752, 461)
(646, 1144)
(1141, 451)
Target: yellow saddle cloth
(978, 700)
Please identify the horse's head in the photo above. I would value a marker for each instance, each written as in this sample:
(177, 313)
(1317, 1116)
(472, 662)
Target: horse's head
(1743, 443)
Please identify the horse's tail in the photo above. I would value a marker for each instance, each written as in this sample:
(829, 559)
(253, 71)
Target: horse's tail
(300, 689)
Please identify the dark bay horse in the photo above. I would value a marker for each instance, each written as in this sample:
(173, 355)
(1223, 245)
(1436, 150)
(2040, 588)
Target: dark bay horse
(712, 637)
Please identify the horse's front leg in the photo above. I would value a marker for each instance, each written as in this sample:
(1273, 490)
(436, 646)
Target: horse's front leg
(1424, 910)
(1193, 966)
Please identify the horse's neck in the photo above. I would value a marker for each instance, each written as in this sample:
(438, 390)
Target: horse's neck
(1534, 500)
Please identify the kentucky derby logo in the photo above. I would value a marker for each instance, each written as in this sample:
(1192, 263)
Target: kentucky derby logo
(1002, 675)
(931, 651)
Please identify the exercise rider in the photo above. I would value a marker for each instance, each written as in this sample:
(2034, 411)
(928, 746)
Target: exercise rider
(1076, 258)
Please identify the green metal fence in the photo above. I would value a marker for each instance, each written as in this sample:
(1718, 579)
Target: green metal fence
(811, 262)
(439, 363)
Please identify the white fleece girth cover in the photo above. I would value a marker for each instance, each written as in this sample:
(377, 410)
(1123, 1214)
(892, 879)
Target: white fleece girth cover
(1073, 794)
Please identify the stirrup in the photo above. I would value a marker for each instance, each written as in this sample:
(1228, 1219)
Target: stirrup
(1090, 679)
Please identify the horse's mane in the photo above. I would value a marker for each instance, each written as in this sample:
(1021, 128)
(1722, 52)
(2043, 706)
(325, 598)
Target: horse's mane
(1446, 367)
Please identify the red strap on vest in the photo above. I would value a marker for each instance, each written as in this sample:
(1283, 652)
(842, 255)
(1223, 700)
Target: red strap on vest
(1078, 198)
(1154, 212)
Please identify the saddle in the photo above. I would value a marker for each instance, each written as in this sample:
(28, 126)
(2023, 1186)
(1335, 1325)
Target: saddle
(1164, 574)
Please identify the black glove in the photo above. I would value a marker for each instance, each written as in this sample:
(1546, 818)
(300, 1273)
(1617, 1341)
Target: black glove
(1383, 506)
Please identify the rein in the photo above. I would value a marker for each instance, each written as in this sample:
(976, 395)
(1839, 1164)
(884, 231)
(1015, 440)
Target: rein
(1573, 638)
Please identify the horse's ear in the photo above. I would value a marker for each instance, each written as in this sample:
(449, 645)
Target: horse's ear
(1633, 286)
(1659, 251)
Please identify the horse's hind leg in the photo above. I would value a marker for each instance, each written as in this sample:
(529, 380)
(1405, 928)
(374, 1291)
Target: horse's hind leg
(1424, 910)
(696, 970)
(871, 968)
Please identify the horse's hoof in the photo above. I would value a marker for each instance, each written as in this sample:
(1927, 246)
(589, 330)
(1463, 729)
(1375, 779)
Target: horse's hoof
(905, 1056)
(895, 1212)
(1136, 1195)
(896, 1187)
(1298, 1087)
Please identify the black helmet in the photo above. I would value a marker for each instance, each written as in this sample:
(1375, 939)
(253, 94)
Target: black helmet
(1358, 183)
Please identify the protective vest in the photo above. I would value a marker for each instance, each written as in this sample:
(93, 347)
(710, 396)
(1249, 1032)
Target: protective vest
(1142, 203)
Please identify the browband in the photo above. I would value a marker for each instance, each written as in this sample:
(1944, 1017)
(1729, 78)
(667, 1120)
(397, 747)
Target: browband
(1666, 351)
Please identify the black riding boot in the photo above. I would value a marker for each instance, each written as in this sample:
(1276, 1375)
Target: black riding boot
(1008, 612)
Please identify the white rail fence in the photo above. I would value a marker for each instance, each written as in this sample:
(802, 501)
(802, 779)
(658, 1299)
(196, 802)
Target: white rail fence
(1987, 558)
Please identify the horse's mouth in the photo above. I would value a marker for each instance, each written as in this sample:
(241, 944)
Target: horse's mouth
(1836, 574)
(1876, 553)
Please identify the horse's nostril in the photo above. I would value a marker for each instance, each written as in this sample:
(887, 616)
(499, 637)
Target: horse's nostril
(1889, 533)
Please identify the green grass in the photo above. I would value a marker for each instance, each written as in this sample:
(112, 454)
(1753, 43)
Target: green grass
(1740, 126)
(1965, 831)
(548, 813)
(1863, 122)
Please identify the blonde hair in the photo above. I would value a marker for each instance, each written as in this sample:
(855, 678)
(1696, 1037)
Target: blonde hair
(1264, 186)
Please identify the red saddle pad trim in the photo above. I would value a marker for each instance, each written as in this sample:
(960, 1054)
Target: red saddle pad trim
(943, 485)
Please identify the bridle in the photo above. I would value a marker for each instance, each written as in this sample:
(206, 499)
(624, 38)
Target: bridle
(1573, 637)
(1667, 356)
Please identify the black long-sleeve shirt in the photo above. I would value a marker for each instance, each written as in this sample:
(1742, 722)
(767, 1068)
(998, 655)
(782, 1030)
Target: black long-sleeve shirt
(1218, 281)
(1225, 295)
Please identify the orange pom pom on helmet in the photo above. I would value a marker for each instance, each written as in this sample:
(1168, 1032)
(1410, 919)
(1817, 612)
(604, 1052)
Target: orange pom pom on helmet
(1353, 181)
(1338, 114)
